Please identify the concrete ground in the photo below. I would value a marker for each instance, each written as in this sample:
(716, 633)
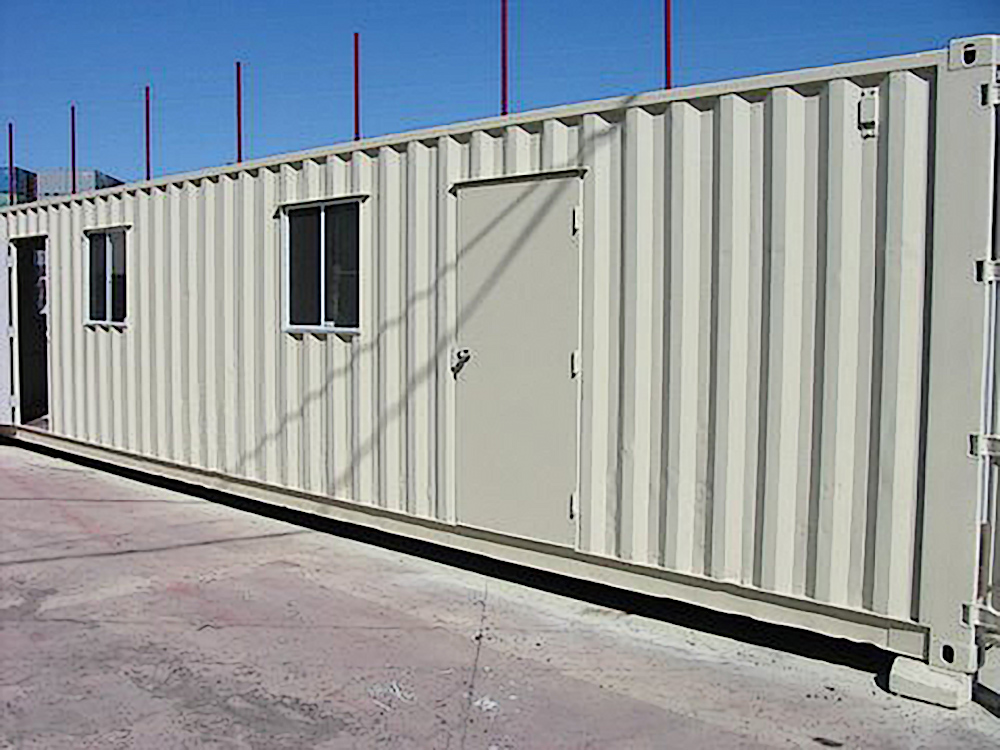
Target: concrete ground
(136, 617)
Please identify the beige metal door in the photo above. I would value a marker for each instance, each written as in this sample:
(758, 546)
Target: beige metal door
(516, 392)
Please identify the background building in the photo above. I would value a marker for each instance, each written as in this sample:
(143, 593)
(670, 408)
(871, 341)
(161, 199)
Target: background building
(59, 181)
(25, 186)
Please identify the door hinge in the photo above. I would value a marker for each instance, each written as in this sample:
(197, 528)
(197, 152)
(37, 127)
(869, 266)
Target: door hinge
(989, 95)
(984, 446)
(868, 113)
(574, 364)
(573, 507)
(575, 221)
(987, 271)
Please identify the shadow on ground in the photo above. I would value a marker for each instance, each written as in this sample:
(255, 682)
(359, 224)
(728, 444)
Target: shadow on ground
(860, 656)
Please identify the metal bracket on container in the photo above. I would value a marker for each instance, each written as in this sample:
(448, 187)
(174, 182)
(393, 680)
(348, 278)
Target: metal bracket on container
(868, 113)
(988, 271)
(981, 616)
(990, 94)
(984, 446)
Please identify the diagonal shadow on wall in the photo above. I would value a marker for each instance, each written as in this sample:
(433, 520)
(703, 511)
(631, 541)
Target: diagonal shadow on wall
(395, 411)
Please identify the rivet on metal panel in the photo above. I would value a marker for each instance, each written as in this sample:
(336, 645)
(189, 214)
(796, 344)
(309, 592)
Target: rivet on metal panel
(868, 113)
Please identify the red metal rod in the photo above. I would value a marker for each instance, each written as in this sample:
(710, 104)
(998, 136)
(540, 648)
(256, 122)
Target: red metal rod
(149, 171)
(503, 58)
(72, 147)
(12, 196)
(668, 43)
(357, 87)
(239, 111)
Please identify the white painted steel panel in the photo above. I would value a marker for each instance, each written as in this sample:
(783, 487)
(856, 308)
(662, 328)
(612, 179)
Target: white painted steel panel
(758, 374)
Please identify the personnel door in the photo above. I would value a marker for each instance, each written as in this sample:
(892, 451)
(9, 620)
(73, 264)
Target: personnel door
(516, 392)
(32, 332)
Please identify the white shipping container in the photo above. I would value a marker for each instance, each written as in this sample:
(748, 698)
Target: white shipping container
(725, 344)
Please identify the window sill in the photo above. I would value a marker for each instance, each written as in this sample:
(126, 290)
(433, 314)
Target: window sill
(322, 330)
(106, 325)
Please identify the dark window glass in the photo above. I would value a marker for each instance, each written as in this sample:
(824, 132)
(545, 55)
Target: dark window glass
(98, 276)
(342, 265)
(117, 276)
(304, 266)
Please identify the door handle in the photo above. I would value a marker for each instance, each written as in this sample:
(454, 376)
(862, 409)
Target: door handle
(461, 358)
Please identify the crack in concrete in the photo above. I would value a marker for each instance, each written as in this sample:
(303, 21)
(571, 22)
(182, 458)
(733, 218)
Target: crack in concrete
(34, 499)
(103, 537)
(475, 666)
(165, 548)
(185, 624)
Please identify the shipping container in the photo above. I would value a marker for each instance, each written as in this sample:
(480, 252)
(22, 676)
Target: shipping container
(732, 344)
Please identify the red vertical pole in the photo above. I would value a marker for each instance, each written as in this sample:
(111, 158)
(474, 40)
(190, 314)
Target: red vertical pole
(149, 171)
(357, 87)
(668, 43)
(239, 111)
(72, 147)
(503, 58)
(11, 184)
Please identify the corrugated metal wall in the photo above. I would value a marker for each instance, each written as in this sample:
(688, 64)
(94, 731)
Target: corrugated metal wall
(756, 282)
(753, 278)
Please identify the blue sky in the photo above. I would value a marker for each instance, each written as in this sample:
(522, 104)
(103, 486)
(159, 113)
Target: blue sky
(425, 62)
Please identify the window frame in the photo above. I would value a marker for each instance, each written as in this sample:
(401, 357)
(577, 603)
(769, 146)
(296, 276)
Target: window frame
(286, 250)
(89, 322)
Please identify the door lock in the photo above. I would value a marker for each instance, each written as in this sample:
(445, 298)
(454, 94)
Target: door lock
(462, 357)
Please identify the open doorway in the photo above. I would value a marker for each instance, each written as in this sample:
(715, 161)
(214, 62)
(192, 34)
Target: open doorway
(32, 332)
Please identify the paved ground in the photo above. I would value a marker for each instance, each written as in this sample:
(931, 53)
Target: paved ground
(133, 617)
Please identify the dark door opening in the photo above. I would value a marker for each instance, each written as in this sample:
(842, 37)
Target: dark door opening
(32, 332)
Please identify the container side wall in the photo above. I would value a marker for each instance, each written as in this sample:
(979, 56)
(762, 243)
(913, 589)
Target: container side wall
(770, 286)
(753, 277)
